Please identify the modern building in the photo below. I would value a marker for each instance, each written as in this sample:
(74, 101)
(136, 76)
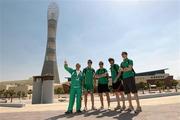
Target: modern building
(50, 62)
(151, 77)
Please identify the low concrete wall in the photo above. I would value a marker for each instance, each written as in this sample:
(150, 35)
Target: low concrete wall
(151, 96)
(17, 105)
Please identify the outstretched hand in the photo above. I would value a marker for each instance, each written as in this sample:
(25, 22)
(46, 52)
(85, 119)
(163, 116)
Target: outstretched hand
(65, 62)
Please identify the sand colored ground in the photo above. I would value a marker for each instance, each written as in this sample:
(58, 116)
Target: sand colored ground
(63, 105)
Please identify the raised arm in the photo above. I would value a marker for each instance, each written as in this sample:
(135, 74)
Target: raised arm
(70, 70)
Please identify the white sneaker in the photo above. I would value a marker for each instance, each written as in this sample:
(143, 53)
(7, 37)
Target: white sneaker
(109, 108)
(132, 112)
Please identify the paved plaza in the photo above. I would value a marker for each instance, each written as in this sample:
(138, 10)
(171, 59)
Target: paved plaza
(165, 108)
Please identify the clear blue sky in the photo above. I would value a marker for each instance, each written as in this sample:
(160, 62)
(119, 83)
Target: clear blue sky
(148, 30)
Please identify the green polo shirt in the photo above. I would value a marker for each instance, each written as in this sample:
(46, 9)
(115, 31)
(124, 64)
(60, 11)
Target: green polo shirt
(114, 71)
(102, 80)
(125, 64)
(88, 74)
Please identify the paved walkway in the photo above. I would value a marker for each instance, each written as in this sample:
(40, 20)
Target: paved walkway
(160, 112)
(166, 108)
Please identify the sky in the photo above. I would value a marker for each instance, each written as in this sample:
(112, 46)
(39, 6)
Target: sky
(149, 30)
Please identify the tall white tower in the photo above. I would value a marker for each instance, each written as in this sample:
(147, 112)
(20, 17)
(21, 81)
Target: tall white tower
(50, 62)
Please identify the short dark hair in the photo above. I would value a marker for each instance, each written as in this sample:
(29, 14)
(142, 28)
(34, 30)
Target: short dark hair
(111, 59)
(78, 64)
(101, 63)
(124, 53)
(90, 61)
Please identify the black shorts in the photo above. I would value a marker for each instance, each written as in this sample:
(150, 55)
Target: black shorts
(103, 88)
(118, 86)
(129, 85)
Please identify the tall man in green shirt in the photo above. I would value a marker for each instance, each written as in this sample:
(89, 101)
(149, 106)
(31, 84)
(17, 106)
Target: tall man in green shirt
(75, 88)
(128, 75)
(117, 86)
(88, 84)
(102, 76)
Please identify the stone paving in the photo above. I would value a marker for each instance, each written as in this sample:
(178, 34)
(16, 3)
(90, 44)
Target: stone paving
(160, 112)
(167, 108)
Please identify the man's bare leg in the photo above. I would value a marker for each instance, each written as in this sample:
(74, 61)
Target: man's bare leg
(85, 101)
(108, 99)
(137, 101)
(123, 100)
(92, 101)
(101, 99)
(130, 101)
(118, 101)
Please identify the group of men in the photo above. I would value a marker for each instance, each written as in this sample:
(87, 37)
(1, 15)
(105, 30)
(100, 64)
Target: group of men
(123, 82)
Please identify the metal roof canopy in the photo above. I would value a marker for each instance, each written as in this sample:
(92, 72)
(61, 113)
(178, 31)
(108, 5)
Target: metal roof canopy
(161, 71)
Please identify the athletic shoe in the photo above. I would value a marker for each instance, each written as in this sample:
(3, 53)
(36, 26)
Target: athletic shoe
(93, 108)
(68, 112)
(117, 107)
(123, 108)
(79, 111)
(109, 108)
(85, 108)
(138, 109)
(132, 112)
(101, 108)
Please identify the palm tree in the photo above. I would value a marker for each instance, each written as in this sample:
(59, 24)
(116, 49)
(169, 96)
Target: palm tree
(29, 93)
(19, 94)
(142, 86)
(175, 83)
(159, 85)
(11, 94)
(23, 94)
(5, 94)
(2, 93)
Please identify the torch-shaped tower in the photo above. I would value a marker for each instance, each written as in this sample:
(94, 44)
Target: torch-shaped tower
(50, 63)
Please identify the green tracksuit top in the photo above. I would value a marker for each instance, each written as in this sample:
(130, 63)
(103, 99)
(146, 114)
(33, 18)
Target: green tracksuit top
(76, 80)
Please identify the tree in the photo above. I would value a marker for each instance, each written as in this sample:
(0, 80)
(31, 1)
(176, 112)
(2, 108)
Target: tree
(5, 94)
(29, 93)
(11, 94)
(23, 94)
(2, 93)
(142, 86)
(159, 85)
(19, 94)
(59, 91)
(175, 83)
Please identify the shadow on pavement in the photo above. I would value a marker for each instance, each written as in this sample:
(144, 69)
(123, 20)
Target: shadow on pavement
(99, 114)
(64, 116)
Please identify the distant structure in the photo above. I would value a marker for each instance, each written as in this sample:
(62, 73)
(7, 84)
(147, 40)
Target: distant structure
(151, 77)
(50, 62)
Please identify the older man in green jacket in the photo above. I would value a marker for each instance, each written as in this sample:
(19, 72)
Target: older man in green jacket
(75, 87)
